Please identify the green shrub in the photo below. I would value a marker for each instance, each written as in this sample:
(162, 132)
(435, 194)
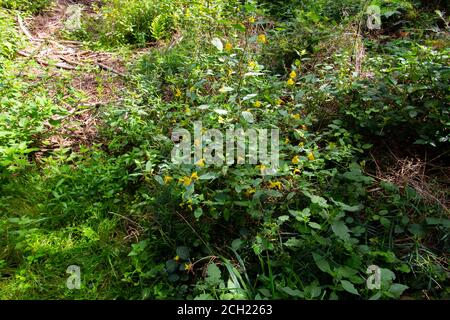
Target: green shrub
(33, 6)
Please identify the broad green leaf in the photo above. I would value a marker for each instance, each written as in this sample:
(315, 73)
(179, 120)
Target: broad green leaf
(340, 230)
(216, 42)
(349, 287)
(321, 263)
(213, 274)
(183, 252)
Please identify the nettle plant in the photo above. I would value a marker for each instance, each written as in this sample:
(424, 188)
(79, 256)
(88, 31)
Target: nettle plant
(310, 205)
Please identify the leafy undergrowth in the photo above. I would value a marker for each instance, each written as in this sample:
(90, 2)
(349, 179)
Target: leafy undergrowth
(364, 123)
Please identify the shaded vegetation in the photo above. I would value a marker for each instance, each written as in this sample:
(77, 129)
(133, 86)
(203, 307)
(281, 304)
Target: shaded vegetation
(364, 175)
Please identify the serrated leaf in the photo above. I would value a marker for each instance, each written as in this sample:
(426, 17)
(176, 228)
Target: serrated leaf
(183, 252)
(340, 230)
(349, 287)
(214, 274)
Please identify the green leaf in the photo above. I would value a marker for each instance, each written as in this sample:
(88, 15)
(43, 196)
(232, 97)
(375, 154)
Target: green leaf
(209, 176)
(315, 225)
(183, 252)
(216, 42)
(397, 289)
(159, 180)
(204, 296)
(349, 287)
(198, 213)
(248, 116)
(292, 292)
(321, 263)
(340, 230)
(236, 244)
(214, 274)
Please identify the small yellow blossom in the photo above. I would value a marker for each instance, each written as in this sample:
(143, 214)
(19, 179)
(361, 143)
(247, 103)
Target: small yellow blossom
(252, 64)
(296, 116)
(293, 74)
(296, 171)
(201, 162)
(250, 191)
(290, 82)
(187, 110)
(187, 266)
(261, 167)
(176, 258)
(273, 185)
(186, 181)
(279, 102)
(177, 92)
(228, 46)
(167, 179)
(251, 19)
(257, 104)
(295, 160)
(262, 38)
(194, 176)
(311, 156)
(301, 144)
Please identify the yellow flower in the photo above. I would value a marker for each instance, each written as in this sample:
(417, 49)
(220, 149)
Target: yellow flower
(290, 82)
(187, 266)
(279, 102)
(257, 104)
(252, 64)
(262, 38)
(261, 167)
(201, 162)
(311, 156)
(295, 160)
(273, 185)
(177, 92)
(293, 74)
(250, 191)
(301, 144)
(167, 179)
(228, 46)
(186, 181)
(187, 110)
(177, 258)
(194, 176)
(296, 171)
(251, 19)
(296, 116)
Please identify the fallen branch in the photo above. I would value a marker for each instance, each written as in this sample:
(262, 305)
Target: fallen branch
(105, 67)
(23, 28)
(45, 63)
